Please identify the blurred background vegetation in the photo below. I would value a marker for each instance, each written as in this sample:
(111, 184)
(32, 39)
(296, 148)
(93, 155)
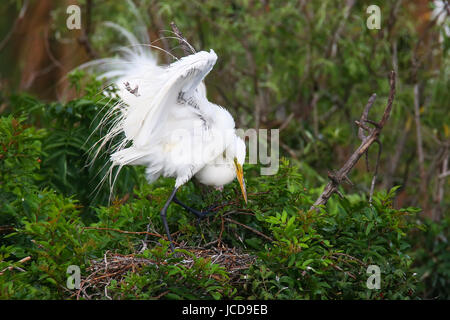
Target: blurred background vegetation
(305, 67)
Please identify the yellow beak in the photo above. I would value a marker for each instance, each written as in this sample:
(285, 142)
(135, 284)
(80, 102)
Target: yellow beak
(240, 177)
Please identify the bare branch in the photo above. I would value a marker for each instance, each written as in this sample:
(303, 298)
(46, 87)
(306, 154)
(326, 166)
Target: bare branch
(364, 117)
(337, 178)
(332, 46)
(444, 174)
(420, 153)
(83, 40)
(16, 267)
(184, 44)
(250, 228)
(374, 178)
(15, 24)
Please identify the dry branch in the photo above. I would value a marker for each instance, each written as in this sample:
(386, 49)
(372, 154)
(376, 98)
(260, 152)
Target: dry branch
(16, 267)
(366, 141)
(250, 228)
(22, 12)
(147, 233)
(420, 152)
(184, 44)
(84, 40)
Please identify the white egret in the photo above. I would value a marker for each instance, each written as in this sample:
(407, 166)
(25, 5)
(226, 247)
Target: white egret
(165, 122)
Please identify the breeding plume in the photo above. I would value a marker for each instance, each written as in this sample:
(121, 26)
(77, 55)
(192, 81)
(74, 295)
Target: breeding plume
(165, 122)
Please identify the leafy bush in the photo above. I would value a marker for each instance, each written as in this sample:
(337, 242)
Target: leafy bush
(306, 66)
(48, 228)
(299, 253)
(432, 259)
(66, 143)
(167, 277)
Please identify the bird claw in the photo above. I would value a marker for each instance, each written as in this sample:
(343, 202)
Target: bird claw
(204, 214)
(199, 214)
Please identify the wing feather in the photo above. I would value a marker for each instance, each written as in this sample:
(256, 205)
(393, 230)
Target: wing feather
(163, 98)
(178, 88)
(164, 93)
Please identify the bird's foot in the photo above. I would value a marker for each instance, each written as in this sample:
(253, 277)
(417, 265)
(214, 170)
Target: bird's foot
(205, 213)
(212, 208)
(199, 214)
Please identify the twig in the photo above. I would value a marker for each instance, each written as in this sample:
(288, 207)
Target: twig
(289, 150)
(286, 122)
(440, 186)
(83, 40)
(6, 229)
(342, 270)
(364, 117)
(49, 51)
(313, 107)
(367, 141)
(15, 267)
(332, 46)
(328, 113)
(374, 178)
(395, 159)
(222, 228)
(249, 228)
(420, 153)
(15, 24)
(159, 296)
(128, 232)
(444, 174)
(115, 266)
(350, 257)
(184, 44)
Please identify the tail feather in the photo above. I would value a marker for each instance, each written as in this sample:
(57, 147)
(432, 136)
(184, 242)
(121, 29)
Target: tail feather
(129, 156)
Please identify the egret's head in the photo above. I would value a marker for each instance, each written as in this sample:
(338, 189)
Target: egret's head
(239, 157)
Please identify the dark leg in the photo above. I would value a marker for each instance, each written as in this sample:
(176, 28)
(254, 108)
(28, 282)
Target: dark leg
(198, 214)
(164, 217)
(172, 197)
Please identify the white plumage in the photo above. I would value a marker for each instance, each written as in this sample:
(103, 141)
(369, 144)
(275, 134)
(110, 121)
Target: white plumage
(165, 122)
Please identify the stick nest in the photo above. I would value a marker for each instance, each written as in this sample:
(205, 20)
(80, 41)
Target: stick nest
(116, 266)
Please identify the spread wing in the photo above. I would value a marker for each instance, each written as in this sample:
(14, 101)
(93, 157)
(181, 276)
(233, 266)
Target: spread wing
(180, 86)
(153, 101)
(150, 96)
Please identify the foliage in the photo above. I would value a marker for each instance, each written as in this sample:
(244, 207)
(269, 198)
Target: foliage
(305, 66)
(313, 255)
(68, 139)
(204, 280)
(325, 255)
(47, 227)
(432, 259)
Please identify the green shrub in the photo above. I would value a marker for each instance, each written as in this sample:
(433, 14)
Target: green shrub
(70, 132)
(45, 223)
(299, 253)
(432, 259)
